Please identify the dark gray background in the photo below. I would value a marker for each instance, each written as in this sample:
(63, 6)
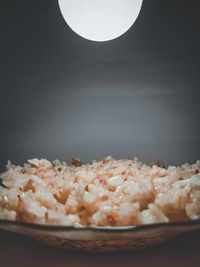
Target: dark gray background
(63, 96)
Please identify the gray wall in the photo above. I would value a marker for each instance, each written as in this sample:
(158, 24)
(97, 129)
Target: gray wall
(63, 96)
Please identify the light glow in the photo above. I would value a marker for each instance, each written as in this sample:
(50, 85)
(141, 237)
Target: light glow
(100, 20)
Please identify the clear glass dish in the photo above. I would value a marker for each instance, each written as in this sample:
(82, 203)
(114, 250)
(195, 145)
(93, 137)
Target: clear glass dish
(101, 239)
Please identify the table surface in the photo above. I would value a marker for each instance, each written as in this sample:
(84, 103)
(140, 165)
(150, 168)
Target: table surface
(19, 251)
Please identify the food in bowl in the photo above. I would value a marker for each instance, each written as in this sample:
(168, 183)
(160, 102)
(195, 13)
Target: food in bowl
(110, 192)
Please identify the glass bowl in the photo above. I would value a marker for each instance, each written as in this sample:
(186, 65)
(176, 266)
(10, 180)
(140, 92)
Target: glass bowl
(101, 239)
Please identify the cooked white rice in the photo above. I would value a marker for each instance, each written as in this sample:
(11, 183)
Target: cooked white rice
(110, 192)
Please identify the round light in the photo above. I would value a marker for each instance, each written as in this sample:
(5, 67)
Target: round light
(100, 20)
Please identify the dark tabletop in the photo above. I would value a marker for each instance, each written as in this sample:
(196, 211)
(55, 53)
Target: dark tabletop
(21, 252)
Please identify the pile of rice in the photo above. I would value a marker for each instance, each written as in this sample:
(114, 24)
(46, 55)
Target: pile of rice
(110, 192)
